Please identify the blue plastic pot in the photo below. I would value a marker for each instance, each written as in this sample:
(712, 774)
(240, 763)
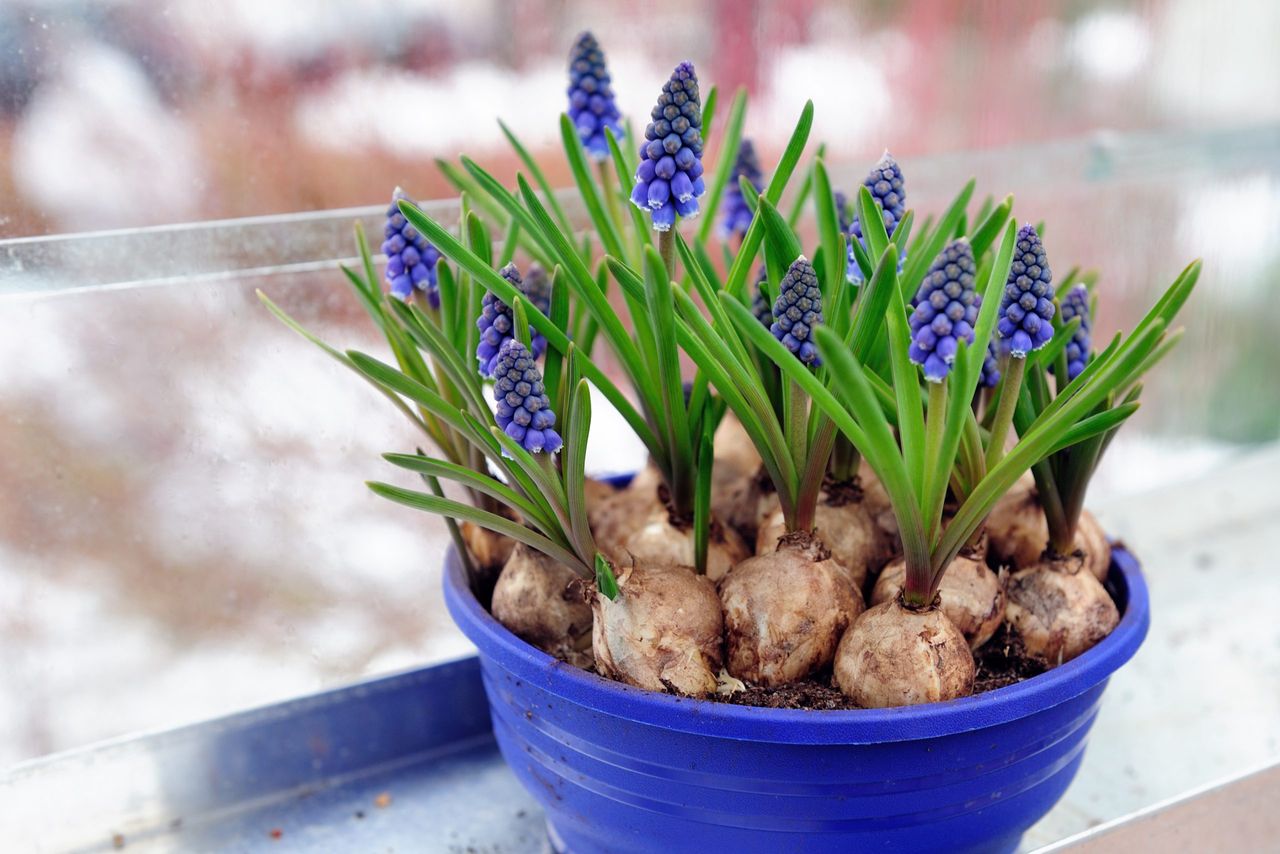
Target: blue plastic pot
(623, 770)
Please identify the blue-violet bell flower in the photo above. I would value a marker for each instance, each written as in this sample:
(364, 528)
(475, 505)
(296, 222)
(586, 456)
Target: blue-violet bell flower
(497, 324)
(798, 310)
(411, 260)
(523, 411)
(669, 177)
(592, 107)
(946, 309)
(1075, 303)
(1026, 313)
(990, 367)
(737, 213)
(889, 192)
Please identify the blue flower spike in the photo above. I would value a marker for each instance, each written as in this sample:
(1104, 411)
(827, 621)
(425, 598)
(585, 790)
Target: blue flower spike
(1075, 303)
(524, 411)
(411, 260)
(990, 367)
(592, 107)
(946, 309)
(760, 300)
(798, 310)
(669, 177)
(889, 192)
(737, 213)
(497, 324)
(1026, 308)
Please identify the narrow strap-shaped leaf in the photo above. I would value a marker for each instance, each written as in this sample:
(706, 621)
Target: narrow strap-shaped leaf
(931, 240)
(659, 292)
(574, 465)
(726, 158)
(806, 188)
(536, 172)
(829, 231)
(483, 483)
(872, 220)
(737, 278)
(606, 228)
(490, 521)
(990, 226)
(556, 337)
(639, 229)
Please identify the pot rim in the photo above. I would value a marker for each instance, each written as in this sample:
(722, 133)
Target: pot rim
(802, 726)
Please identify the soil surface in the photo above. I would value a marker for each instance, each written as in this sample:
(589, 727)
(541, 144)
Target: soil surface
(999, 664)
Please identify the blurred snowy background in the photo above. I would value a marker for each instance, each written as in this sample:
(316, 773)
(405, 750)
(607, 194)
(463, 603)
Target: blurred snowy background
(183, 529)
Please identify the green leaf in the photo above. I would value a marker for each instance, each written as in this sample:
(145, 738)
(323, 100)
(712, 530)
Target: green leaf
(990, 226)
(536, 172)
(737, 277)
(659, 297)
(605, 581)
(539, 516)
(574, 460)
(829, 232)
(605, 227)
(724, 164)
(930, 242)
(490, 521)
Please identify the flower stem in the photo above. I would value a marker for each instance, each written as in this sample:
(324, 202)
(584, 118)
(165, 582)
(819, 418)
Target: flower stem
(797, 423)
(667, 249)
(610, 197)
(1004, 412)
(935, 424)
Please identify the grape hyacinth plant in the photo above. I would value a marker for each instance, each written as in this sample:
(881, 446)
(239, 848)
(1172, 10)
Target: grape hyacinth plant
(862, 534)
(669, 177)
(497, 322)
(798, 310)
(946, 309)
(737, 213)
(411, 260)
(888, 190)
(592, 107)
(1075, 303)
(523, 412)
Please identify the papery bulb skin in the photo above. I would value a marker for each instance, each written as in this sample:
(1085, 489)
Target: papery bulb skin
(1025, 320)
(1075, 303)
(411, 259)
(786, 611)
(592, 106)
(896, 656)
(542, 602)
(669, 177)
(497, 323)
(737, 213)
(663, 632)
(945, 311)
(797, 310)
(524, 411)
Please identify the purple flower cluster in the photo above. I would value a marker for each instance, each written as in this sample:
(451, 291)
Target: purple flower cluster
(890, 195)
(798, 310)
(760, 300)
(1075, 303)
(411, 260)
(524, 412)
(497, 324)
(669, 177)
(1026, 309)
(592, 107)
(737, 213)
(946, 308)
(990, 367)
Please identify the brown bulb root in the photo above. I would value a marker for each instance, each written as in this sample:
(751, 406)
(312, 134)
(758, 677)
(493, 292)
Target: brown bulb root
(659, 542)
(1019, 534)
(895, 656)
(785, 612)
(541, 601)
(848, 530)
(663, 632)
(970, 595)
(1057, 610)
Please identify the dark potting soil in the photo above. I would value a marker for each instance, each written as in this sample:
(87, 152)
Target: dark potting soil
(1001, 662)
